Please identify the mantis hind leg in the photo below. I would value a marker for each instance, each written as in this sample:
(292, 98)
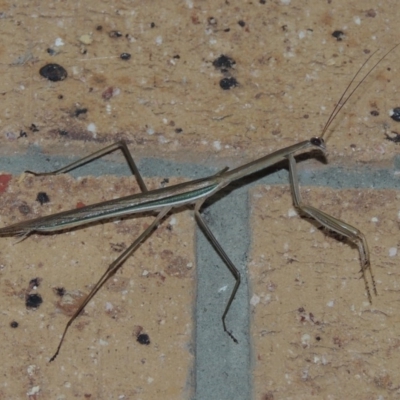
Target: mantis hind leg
(111, 270)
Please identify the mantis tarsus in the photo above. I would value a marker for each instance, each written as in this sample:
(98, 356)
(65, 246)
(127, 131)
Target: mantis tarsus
(193, 193)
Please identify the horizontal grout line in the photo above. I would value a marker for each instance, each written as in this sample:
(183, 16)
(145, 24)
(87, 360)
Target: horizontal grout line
(337, 177)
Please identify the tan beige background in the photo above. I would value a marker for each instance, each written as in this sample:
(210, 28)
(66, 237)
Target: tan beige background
(168, 104)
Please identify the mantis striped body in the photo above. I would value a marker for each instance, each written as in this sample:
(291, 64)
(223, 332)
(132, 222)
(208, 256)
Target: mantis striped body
(193, 193)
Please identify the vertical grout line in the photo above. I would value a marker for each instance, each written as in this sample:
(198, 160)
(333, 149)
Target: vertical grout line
(223, 368)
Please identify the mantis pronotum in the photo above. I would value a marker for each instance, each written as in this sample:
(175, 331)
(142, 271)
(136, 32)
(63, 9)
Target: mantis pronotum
(193, 193)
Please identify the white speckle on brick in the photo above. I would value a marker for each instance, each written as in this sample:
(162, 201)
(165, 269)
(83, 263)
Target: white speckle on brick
(254, 300)
(59, 42)
(162, 139)
(33, 391)
(92, 128)
(305, 339)
(217, 145)
(286, 247)
(392, 251)
(31, 369)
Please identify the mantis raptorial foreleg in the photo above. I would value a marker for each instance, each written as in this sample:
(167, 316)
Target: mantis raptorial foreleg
(333, 224)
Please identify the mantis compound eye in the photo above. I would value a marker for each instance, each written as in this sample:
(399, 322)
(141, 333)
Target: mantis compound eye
(318, 142)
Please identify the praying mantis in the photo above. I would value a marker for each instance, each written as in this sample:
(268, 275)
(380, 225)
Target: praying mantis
(194, 193)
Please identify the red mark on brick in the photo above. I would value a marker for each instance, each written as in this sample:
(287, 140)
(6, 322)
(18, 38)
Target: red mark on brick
(4, 181)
